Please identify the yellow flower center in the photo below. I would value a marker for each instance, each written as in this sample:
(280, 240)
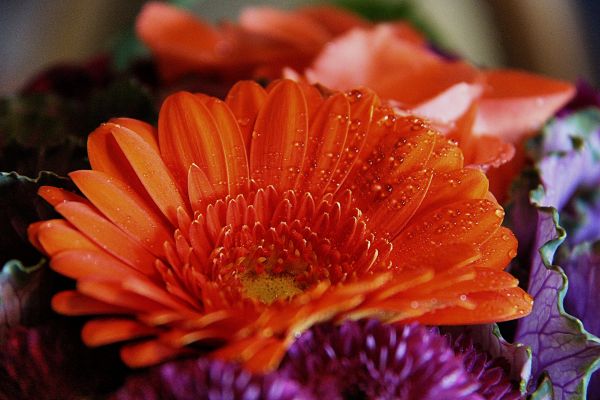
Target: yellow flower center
(267, 287)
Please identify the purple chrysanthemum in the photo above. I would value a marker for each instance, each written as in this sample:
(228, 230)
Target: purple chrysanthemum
(210, 380)
(490, 372)
(368, 359)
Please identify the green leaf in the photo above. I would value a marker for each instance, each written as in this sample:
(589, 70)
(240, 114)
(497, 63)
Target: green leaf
(544, 390)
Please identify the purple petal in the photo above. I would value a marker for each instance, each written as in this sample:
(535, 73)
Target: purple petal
(374, 360)
(488, 339)
(205, 379)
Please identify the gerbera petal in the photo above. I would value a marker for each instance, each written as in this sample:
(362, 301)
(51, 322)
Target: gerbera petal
(460, 184)
(188, 134)
(451, 224)
(362, 103)
(133, 215)
(148, 353)
(279, 138)
(57, 235)
(390, 164)
(313, 96)
(107, 236)
(146, 288)
(489, 306)
(327, 137)
(516, 102)
(110, 330)
(89, 263)
(112, 293)
(55, 196)
(268, 358)
(143, 129)
(153, 173)
(498, 250)
(245, 99)
(402, 199)
(233, 145)
(32, 235)
(105, 154)
(469, 280)
(446, 156)
(72, 302)
(449, 233)
(200, 190)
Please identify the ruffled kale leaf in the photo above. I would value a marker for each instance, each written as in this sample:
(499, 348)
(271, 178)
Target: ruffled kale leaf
(23, 300)
(582, 266)
(567, 165)
(561, 347)
(544, 390)
(568, 156)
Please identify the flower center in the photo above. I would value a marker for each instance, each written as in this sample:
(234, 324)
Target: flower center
(268, 246)
(267, 288)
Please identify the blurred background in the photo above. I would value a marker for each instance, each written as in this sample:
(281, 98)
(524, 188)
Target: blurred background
(559, 38)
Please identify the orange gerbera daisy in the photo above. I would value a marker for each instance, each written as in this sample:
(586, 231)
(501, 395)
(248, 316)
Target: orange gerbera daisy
(239, 224)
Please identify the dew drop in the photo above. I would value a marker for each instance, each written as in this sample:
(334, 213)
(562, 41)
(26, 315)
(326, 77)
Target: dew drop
(355, 124)
(354, 95)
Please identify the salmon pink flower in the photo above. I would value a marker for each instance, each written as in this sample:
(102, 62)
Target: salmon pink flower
(264, 41)
(487, 111)
(239, 224)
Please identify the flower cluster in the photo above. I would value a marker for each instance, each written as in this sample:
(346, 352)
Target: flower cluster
(327, 226)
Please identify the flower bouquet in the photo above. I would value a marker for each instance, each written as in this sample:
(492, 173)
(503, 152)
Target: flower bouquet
(298, 205)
